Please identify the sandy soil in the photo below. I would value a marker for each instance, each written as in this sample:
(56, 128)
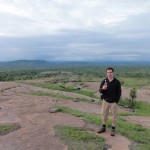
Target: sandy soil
(37, 123)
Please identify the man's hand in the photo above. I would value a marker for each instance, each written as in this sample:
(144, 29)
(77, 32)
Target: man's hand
(104, 87)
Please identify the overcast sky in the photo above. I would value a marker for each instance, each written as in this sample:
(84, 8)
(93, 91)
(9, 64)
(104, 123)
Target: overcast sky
(79, 30)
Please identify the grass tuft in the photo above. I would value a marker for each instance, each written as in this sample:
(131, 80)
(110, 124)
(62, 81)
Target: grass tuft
(7, 128)
(60, 96)
(64, 88)
(141, 108)
(78, 138)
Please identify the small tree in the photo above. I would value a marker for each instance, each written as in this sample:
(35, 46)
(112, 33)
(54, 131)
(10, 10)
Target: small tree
(132, 96)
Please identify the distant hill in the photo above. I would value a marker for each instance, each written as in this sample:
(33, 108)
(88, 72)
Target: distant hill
(42, 64)
(24, 65)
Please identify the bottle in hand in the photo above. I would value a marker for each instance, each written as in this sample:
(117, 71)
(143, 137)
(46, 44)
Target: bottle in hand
(105, 85)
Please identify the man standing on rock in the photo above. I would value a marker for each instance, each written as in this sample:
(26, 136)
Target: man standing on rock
(110, 88)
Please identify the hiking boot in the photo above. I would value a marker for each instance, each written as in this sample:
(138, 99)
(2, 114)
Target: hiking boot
(112, 132)
(103, 129)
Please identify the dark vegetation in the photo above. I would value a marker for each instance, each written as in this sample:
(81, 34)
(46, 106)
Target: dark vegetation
(24, 70)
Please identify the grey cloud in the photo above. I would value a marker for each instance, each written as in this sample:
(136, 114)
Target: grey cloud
(73, 45)
(75, 30)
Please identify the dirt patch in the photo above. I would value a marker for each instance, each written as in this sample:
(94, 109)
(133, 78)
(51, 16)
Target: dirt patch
(36, 122)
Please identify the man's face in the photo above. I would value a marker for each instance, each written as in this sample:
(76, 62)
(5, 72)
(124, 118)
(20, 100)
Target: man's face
(110, 73)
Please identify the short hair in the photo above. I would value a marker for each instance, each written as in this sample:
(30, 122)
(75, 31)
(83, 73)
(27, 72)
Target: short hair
(110, 68)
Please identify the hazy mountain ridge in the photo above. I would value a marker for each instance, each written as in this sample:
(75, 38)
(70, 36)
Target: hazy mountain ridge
(39, 64)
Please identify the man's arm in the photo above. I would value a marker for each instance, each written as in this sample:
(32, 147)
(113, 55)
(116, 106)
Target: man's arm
(119, 91)
(100, 87)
